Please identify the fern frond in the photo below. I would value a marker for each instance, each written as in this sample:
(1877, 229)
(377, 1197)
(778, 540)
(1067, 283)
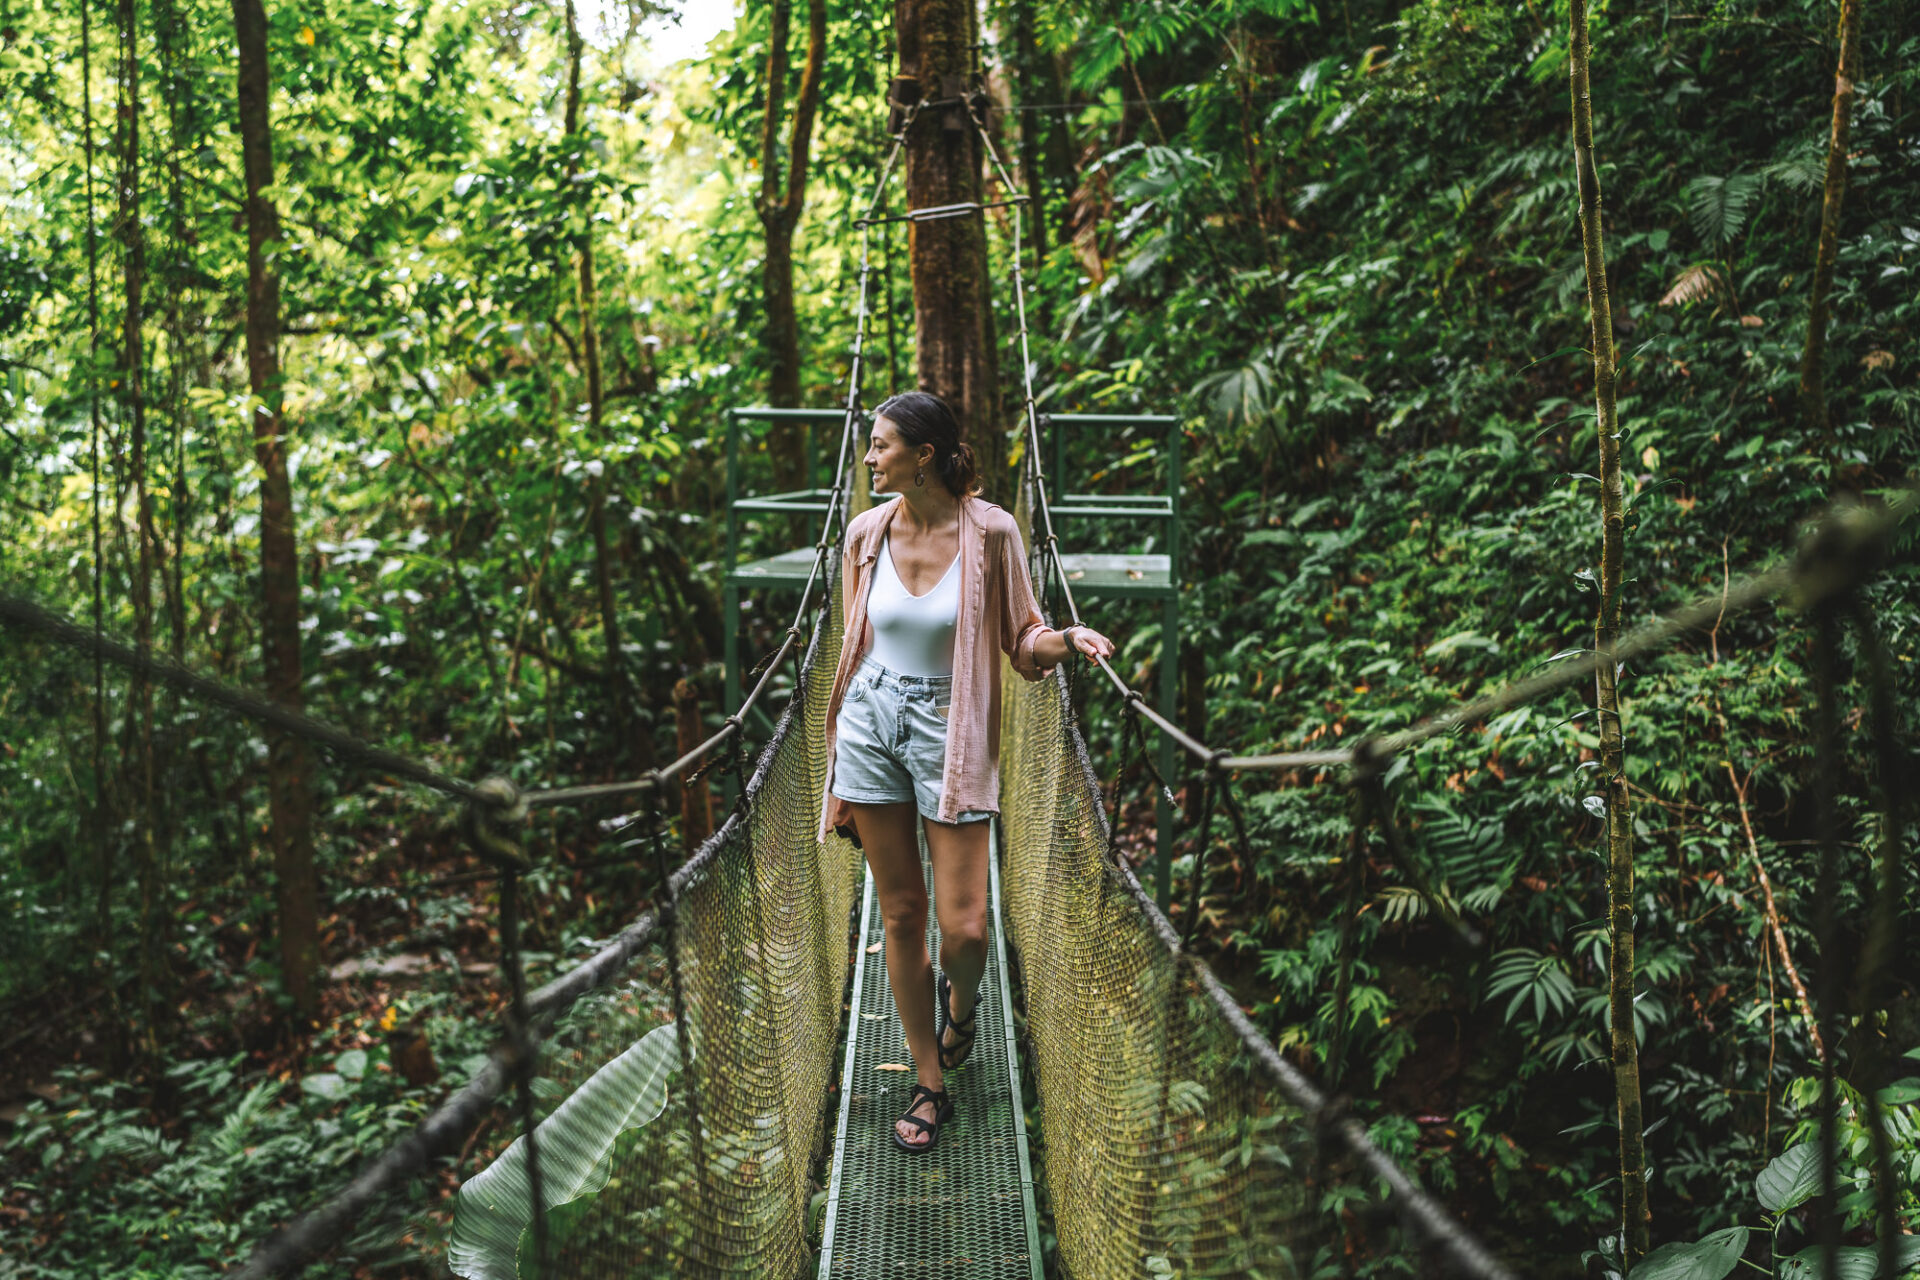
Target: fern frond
(1698, 283)
(1719, 206)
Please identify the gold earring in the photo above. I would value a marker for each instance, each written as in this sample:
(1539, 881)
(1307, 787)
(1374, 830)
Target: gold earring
(919, 479)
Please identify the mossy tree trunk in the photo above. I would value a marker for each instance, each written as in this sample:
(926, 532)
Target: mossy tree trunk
(1813, 356)
(290, 799)
(1613, 776)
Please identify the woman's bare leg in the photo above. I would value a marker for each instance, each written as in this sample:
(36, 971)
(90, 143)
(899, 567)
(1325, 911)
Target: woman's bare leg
(959, 852)
(893, 855)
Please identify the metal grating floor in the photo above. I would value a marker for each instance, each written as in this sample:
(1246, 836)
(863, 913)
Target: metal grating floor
(966, 1207)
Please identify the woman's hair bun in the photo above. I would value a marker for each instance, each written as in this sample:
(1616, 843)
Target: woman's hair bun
(921, 417)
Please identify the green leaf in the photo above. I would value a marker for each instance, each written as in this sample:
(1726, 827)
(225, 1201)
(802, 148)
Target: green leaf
(324, 1085)
(1900, 1093)
(1852, 1262)
(352, 1064)
(1708, 1259)
(495, 1206)
(1790, 1179)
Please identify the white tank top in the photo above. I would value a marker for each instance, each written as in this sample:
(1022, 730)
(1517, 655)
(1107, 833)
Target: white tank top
(913, 635)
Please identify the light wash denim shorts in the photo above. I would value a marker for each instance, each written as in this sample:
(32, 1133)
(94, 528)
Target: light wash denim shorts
(890, 743)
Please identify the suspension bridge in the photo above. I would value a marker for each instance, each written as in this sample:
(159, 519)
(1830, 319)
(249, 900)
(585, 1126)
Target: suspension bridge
(678, 1093)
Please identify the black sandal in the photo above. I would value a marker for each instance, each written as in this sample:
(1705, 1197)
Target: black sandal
(961, 1051)
(942, 1112)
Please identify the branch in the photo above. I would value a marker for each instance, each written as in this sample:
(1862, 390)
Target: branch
(1773, 915)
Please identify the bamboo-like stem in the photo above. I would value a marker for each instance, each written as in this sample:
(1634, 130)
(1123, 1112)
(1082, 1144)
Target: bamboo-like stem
(1881, 955)
(1626, 1050)
(1773, 915)
(1813, 376)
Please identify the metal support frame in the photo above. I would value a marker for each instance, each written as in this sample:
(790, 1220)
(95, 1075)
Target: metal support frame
(788, 570)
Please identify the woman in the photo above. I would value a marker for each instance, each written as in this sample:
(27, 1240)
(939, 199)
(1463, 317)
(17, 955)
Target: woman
(936, 588)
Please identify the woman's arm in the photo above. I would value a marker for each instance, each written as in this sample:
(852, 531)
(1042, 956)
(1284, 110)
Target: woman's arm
(1033, 647)
(1053, 647)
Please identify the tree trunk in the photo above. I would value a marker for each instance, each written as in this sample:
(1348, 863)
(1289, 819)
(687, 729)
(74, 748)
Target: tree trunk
(780, 215)
(1034, 83)
(102, 822)
(290, 800)
(635, 746)
(696, 800)
(948, 256)
(133, 400)
(1619, 824)
(1813, 357)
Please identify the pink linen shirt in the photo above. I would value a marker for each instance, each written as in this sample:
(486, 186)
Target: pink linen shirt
(997, 612)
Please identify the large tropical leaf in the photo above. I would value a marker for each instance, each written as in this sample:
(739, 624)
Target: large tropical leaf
(1790, 1178)
(495, 1206)
(1851, 1262)
(1708, 1259)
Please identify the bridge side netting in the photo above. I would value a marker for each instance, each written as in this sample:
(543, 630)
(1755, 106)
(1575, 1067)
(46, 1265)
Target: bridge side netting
(719, 1183)
(1168, 1146)
(1159, 1143)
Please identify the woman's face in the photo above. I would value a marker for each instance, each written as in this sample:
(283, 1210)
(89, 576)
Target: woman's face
(892, 460)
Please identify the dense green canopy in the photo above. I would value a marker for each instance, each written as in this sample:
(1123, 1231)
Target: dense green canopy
(1341, 242)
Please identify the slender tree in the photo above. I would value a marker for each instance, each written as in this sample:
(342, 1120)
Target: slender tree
(290, 800)
(779, 211)
(1813, 356)
(1036, 81)
(102, 796)
(133, 399)
(952, 315)
(1613, 775)
(618, 695)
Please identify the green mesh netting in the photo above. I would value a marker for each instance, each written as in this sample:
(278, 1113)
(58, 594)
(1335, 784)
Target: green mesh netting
(719, 1183)
(1159, 1142)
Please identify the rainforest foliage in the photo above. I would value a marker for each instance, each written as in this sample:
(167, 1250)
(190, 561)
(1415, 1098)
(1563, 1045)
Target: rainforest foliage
(1340, 241)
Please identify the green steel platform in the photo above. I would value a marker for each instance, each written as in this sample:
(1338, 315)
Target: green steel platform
(965, 1208)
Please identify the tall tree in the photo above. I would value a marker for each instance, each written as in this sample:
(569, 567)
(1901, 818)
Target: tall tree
(1613, 773)
(638, 745)
(133, 400)
(952, 315)
(779, 212)
(1813, 356)
(289, 789)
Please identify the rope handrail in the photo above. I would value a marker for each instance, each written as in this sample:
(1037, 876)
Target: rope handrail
(20, 612)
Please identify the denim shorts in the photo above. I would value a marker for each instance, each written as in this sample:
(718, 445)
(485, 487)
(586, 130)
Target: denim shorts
(890, 743)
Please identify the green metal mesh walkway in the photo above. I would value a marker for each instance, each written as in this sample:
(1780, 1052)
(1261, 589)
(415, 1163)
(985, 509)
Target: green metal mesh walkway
(964, 1208)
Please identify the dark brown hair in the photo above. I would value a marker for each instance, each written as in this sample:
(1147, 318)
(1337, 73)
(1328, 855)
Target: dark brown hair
(923, 418)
